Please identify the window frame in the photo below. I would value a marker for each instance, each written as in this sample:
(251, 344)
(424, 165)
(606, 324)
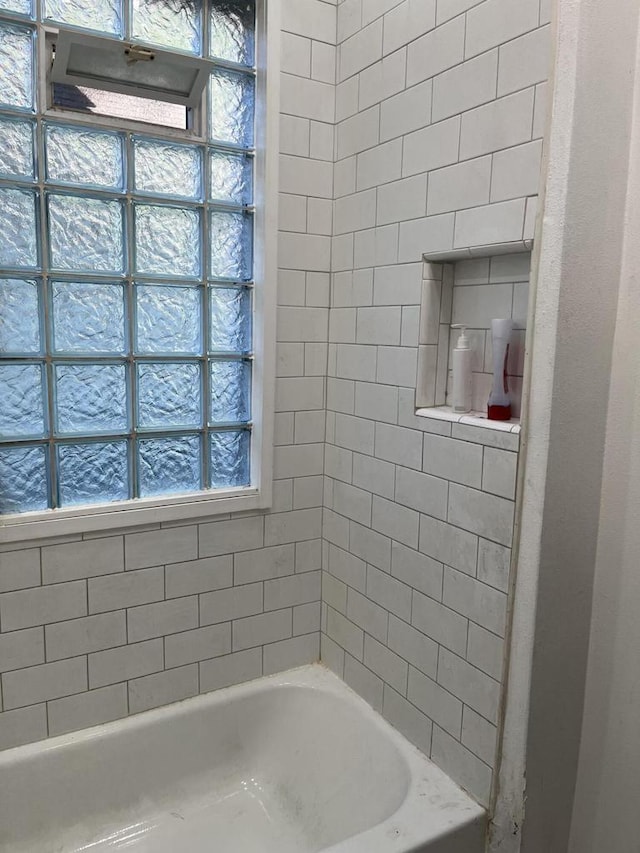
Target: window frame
(18, 527)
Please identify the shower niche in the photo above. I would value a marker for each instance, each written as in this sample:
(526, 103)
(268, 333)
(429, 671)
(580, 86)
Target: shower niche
(472, 287)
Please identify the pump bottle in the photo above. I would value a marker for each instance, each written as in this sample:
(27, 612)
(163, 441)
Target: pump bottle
(462, 380)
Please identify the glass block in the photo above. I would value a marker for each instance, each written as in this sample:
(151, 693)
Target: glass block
(16, 148)
(229, 454)
(23, 479)
(167, 466)
(169, 395)
(230, 391)
(231, 111)
(90, 398)
(22, 409)
(172, 23)
(18, 247)
(20, 7)
(88, 317)
(167, 241)
(232, 31)
(85, 234)
(92, 473)
(19, 317)
(165, 169)
(168, 319)
(230, 177)
(16, 66)
(84, 156)
(229, 319)
(102, 15)
(231, 245)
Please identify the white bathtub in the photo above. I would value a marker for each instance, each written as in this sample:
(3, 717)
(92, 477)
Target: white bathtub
(294, 763)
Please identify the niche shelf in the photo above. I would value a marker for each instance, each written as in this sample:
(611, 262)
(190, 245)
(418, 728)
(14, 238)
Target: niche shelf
(471, 286)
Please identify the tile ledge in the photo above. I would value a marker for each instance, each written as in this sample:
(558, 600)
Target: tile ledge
(485, 251)
(477, 419)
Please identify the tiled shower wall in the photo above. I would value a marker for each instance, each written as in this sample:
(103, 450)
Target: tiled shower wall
(92, 629)
(440, 113)
(438, 95)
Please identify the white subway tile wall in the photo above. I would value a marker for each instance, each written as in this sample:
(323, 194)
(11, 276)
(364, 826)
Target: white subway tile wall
(415, 584)
(416, 128)
(439, 124)
(95, 628)
(119, 639)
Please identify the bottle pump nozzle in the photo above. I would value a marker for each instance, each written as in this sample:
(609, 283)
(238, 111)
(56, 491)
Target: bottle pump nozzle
(463, 340)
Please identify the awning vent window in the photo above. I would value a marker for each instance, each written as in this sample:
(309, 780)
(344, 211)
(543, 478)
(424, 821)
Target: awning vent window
(129, 69)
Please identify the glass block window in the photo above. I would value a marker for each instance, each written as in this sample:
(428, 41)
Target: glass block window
(126, 269)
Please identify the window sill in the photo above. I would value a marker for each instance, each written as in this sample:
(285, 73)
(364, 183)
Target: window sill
(94, 519)
(477, 419)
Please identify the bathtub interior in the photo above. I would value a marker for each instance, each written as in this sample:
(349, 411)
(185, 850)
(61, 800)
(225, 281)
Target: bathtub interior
(302, 765)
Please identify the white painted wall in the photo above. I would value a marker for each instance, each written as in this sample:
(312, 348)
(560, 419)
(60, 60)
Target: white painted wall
(605, 815)
(562, 550)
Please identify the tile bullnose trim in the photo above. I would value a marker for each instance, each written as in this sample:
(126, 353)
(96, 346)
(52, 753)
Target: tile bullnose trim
(487, 250)
(477, 419)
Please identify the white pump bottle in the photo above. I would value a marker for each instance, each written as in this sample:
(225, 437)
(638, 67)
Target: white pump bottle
(462, 392)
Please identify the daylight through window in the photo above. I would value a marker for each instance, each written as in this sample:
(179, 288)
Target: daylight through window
(126, 265)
